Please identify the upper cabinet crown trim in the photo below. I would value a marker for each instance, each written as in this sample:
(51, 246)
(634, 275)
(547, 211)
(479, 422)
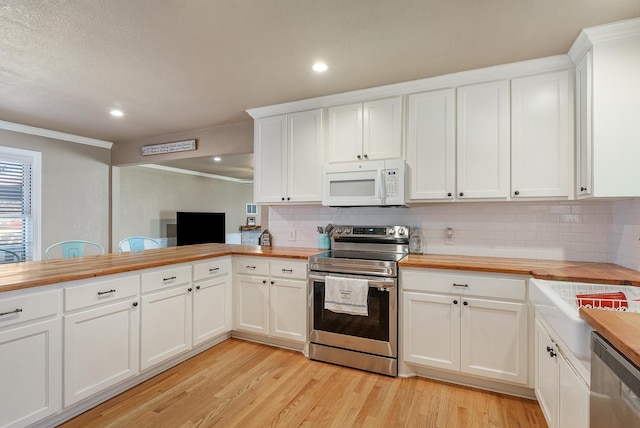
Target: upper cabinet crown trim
(497, 72)
(601, 34)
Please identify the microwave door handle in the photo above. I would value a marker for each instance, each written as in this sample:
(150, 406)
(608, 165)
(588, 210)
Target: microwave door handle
(383, 188)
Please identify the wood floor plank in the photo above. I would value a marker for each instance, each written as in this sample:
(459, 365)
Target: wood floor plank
(243, 384)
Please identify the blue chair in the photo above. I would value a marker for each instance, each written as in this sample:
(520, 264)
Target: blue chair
(74, 248)
(8, 256)
(137, 243)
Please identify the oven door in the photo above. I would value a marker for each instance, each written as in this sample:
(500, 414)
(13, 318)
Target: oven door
(375, 333)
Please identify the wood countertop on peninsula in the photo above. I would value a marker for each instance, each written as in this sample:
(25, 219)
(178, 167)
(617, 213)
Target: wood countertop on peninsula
(621, 329)
(17, 276)
(603, 273)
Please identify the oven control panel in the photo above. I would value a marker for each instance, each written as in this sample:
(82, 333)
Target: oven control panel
(378, 232)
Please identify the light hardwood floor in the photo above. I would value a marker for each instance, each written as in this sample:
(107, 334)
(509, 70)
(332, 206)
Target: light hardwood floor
(244, 384)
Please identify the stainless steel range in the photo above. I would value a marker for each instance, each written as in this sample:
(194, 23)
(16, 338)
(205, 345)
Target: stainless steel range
(351, 326)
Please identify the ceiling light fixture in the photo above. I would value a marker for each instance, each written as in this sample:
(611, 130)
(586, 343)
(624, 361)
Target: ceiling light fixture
(320, 67)
(217, 158)
(116, 113)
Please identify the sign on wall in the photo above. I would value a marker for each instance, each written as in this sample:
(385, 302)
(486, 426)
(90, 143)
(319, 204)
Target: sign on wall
(178, 146)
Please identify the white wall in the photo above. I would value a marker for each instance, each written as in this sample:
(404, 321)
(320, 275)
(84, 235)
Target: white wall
(594, 231)
(75, 188)
(146, 200)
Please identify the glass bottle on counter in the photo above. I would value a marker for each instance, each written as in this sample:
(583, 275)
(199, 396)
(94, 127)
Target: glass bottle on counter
(415, 241)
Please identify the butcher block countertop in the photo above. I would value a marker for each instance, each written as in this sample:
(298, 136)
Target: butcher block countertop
(603, 273)
(17, 276)
(621, 329)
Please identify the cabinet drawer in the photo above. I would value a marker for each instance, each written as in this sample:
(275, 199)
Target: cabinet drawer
(165, 278)
(100, 292)
(288, 269)
(211, 268)
(252, 266)
(463, 284)
(17, 310)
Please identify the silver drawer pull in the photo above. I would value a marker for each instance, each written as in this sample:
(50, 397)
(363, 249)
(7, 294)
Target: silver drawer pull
(287, 270)
(250, 267)
(171, 278)
(214, 269)
(100, 293)
(16, 311)
(460, 285)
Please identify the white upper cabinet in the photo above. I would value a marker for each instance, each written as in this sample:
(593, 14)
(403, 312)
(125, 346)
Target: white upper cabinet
(607, 62)
(541, 136)
(361, 131)
(431, 144)
(288, 158)
(483, 141)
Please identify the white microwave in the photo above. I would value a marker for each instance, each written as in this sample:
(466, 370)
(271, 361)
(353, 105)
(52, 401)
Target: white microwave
(367, 183)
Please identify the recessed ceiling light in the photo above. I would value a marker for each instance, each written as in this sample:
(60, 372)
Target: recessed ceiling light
(217, 159)
(116, 113)
(320, 67)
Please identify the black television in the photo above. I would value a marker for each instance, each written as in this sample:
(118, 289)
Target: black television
(199, 228)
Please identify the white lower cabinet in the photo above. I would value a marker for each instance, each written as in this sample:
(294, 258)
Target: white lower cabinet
(271, 298)
(166, 325)
(480, 336)
(30, 357)
(101, 335)
(212, 301)
(562, 393)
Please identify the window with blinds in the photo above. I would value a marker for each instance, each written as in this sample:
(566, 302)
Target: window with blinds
(16, 215)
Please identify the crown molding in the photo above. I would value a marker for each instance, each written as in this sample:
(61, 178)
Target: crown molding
(41, 132)
(591, 36)
(497, 72)
(196, 173)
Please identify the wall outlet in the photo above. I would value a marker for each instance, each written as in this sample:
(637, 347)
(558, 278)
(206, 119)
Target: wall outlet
(448, 236)
(292, 235)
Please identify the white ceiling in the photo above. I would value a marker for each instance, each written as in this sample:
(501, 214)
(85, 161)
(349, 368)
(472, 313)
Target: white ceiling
(176, 65)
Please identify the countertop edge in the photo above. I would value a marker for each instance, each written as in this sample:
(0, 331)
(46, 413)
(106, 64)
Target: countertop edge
(621, 329)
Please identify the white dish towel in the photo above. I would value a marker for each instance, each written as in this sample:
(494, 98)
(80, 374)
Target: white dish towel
(346, 295)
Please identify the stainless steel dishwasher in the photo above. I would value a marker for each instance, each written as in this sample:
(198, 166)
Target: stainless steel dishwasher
(615, 387)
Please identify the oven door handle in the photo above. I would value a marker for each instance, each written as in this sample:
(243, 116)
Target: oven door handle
(375, 283)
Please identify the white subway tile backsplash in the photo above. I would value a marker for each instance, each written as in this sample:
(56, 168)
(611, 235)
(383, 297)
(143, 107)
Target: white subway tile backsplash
(598, 231)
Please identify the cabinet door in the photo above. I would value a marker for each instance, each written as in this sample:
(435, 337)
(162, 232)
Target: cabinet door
(288, 309)
(584, 127)
(101, 348)
(431, 330)
(211, 308)
(252, 304)
(483, 141)
(494, 339)
(431, 145)
(31, 372)
(541, 123)
(573, 408)
(546, 374)
(382, 129)
(270, 136)
(345, 133)
(166, 325)
(305, 157)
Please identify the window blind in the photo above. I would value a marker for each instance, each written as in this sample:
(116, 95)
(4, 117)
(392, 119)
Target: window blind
(16, 220)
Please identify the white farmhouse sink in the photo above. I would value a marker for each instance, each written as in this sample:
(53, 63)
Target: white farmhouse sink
(556, 302)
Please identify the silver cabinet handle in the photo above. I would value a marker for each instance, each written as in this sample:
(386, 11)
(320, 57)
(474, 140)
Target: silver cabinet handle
(15, 311)
(100, 293)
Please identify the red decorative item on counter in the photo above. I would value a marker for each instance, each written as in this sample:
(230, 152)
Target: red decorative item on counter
(616, 301)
